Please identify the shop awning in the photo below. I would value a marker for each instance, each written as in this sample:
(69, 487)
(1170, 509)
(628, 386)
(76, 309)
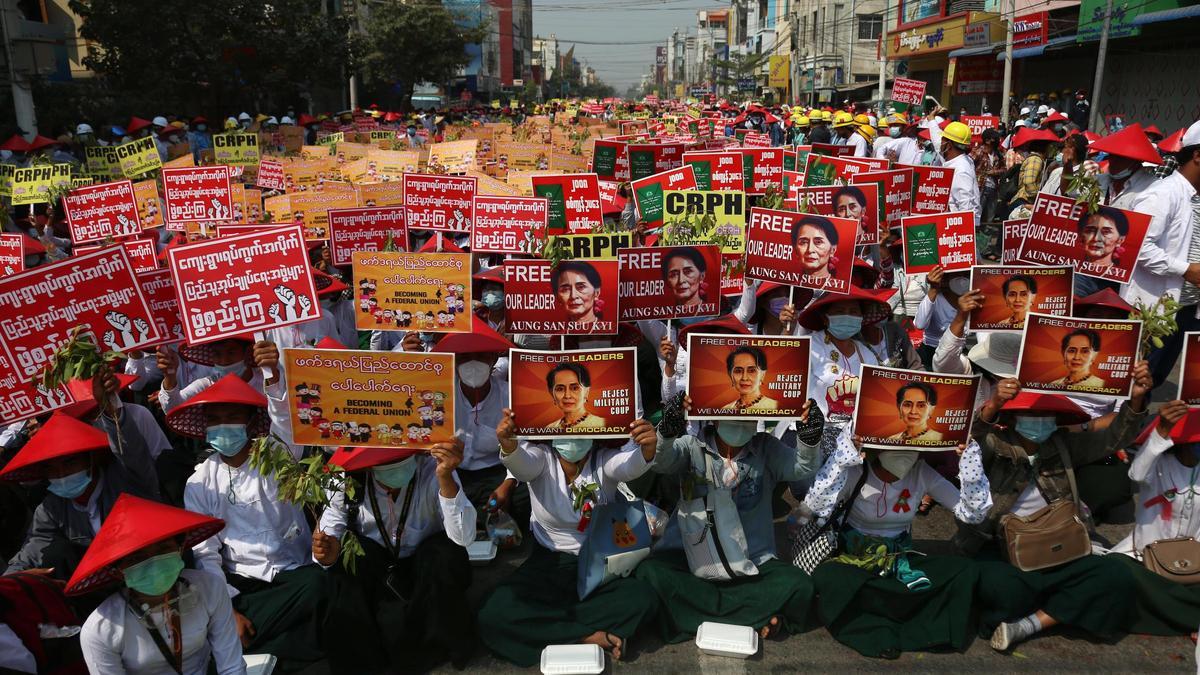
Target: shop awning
(873, 84)
(975, 51)
(1052, 43)
(1167, 15)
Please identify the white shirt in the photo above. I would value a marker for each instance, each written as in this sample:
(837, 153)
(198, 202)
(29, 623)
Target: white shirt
(554, 521)
(1162, 259)
(964, 189)
(934, 317)
(476, 425)
(827, 366)
(113, 640)
(855, 141)
(147, 426)
(263, 535)
(908, 150)
(428, 514)
(1166, 503)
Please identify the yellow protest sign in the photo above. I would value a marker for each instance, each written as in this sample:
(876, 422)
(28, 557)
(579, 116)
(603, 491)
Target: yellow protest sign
(149, 204)
(311, 209)
(180, 162)
(683, 208)
(603, 246)
(7, 171)
(332, 138)
(413, 291)
(236, 149)
(280, 208)
(102, 160)
(456, 157)
(341, 397)
(384, 135)
(348, 152)
(138, 157)
(381, 194)
(32, 185)
(523, 156)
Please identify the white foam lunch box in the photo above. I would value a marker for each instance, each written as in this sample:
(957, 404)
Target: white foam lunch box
(723, 639)
(572, 660)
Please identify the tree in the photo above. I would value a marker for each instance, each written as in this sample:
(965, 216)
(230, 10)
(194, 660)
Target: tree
(419, 41)
(739, 66)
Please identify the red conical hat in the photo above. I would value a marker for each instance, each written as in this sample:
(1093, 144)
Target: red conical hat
(1106, 297)
(85, 404)
(133, 524)
(15, 144)
(136, 124)
(1186, 430)
(448, 246)
(483, 339)
(189, 418)
(1061, 407)
(875, 308)
(495, 274)
(203, 354)
(727, 323)
(1129, 142)
(62, 436)
(31, 246)
(327, 284)
(40, 142)
(1027, 135)
(329, 343)
(357, 459)
(1174, 142)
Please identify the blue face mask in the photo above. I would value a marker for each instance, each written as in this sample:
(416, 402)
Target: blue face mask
(70, 486)
(689, 320)
(493, 299)
(844, 326)
(396, 475)
(573, 449)
(227, 439)
(156, 575)
(776, 305)
(428, 338)
(1122, 175)
(895, 132)
(238, 369)
(736, 434)
(1036, 429)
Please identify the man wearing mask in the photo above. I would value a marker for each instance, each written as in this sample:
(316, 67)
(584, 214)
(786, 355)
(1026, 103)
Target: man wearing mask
(964, 189)
(199, 138)
(410, 136)
(843, 129)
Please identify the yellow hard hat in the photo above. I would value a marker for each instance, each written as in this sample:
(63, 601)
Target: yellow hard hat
(882, 123)
(824, 114)
(843, 119)
(862, 119)
(801, 121)
(957, 132)
(868, 132)
(897, 118)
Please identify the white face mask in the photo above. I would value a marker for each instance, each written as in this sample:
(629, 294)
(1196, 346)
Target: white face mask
(959, 285)
(898, 462)
(474, 373)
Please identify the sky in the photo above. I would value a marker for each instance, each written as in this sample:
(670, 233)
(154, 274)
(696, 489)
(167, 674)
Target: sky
(628, 29)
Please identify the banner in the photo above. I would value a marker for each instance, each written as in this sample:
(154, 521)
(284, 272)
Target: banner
(367, 229)
(344, 397)
(1103, 244)
(763, 169)
(99, 212)
(896, 187)
(578, 297)
(931, 188)
(102, 160)
(856, 202)
(914, 410)
(946, 239)
(602, 246)
(747, 377)
(648, 192)
(590, 393)
(1189, 374)
(1079, 356)
(12, 253)
(247, 282)
(823, 170)
(454, 156)
(196, 194)
(685, 214)
(798, 249)
(979, 124)
(439, 203)
(22, 398)
(138, 157)
(97, 291)
(908, 91)
(668, 282)
(236, 149)
(142, 253)
(505, 225)
(719, 171)
(1010, 293)
(270, 175)
(573, 202)
(413, 291)
(606, 159)
(1011, 239)
(32, 185)
(159, 291)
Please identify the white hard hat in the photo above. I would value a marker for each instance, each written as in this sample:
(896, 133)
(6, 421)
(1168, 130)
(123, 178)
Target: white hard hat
(159, 121)
(244, 116)
(83, 128)
(1020, 123)
(1042, 110)
(286, 120)
(271, 120)
(1191, 136)
(1024, 111)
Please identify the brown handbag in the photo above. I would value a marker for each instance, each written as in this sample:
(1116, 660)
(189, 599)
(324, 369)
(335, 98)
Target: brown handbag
(1052, 536)
(1176, 559)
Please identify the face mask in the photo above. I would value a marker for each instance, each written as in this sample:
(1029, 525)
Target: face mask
(156, 575)
(898, 462)
(895, 132)
(573, 449)
(474, 373)
(844, 326)
(71, 486)
(776, 305)
(493, 299)
(412, 132)
(1058, 158)
(1036, 429)
(227, 439)
(427, 338)
(959, 285)
(687, 321)
(736, 434)
(1122, 175)
(238, 369)
(201, 127)
(396, 475)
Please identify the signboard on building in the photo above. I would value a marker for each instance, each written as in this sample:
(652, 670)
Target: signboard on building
(1030, 30)
(943, 36)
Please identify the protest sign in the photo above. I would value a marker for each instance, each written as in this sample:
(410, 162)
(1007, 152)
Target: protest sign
(381, 194)
(96, 290)
(413, 291)
(648, 192)
(366, 229)
(236, 149)
(979, 124)
(946, 239)
(197, 193)
(342, 397)
(718, 171)
(798, 249)
(143, 256)
(856, 202)
(831, 150)
(102, 160)
(763, 169)
(648, 159)
(1103, 244)
(454, 157)
(590, 393)
(33, 184)
(7, 173)
(747, 377)
(23, 397)
(931, 187)
(911, 92)
(311, 209)
(668, 282)
(696, 217)
(573, 202)
(578, 297)
(439, 203)
(896, 188)
(1189, 374)
(914, 410)
(523, 156)
(12, 253)
(606, 158)
(822, 170)
(247, 282)
(270, 175)
(509, 224)
(875, 163)
(1011, 239)
(602, 246)
(149, 204)
(99, 212)
(1079, 356)
(159, 291)
(138, 157)
(1010, 293)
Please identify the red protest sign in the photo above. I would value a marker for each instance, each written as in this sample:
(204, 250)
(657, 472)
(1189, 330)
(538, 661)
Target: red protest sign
(142, 253)
(164, 305)
(717, 170)
(763, 168)
(856, 202)
(592, 392)
(946, 239)
(509, 224)
(821, 170)
(610, 159)
(610, 199)
(756, 140)
(197, 193)
(896, 186)
(578, 297)
(1065, 355)
(368, 229)
(1103, 244)
(12, 253)
(667, 282)
(104, 211)
(270, 175)
(572, 201)
(247, 282)
(22, 397)
(800, 249)
(1011, 239)
(1189, 374)
(908, 91)
(931, 188)
(979, 124)
(875, 163)
(95, 290)
(648, 192)
(439, 203)
(831, 150)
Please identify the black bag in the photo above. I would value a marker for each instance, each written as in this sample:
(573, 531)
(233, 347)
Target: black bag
(1008, 185)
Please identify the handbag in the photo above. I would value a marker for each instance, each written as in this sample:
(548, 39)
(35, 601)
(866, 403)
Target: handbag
(618, 539)
(1052, 536)
(1177, 559)
(711, 528)
(816, 541)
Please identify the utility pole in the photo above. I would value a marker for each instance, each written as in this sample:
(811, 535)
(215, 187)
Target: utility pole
(22, 94)
(1008, 63)
(883, 61)
(1094, 122)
